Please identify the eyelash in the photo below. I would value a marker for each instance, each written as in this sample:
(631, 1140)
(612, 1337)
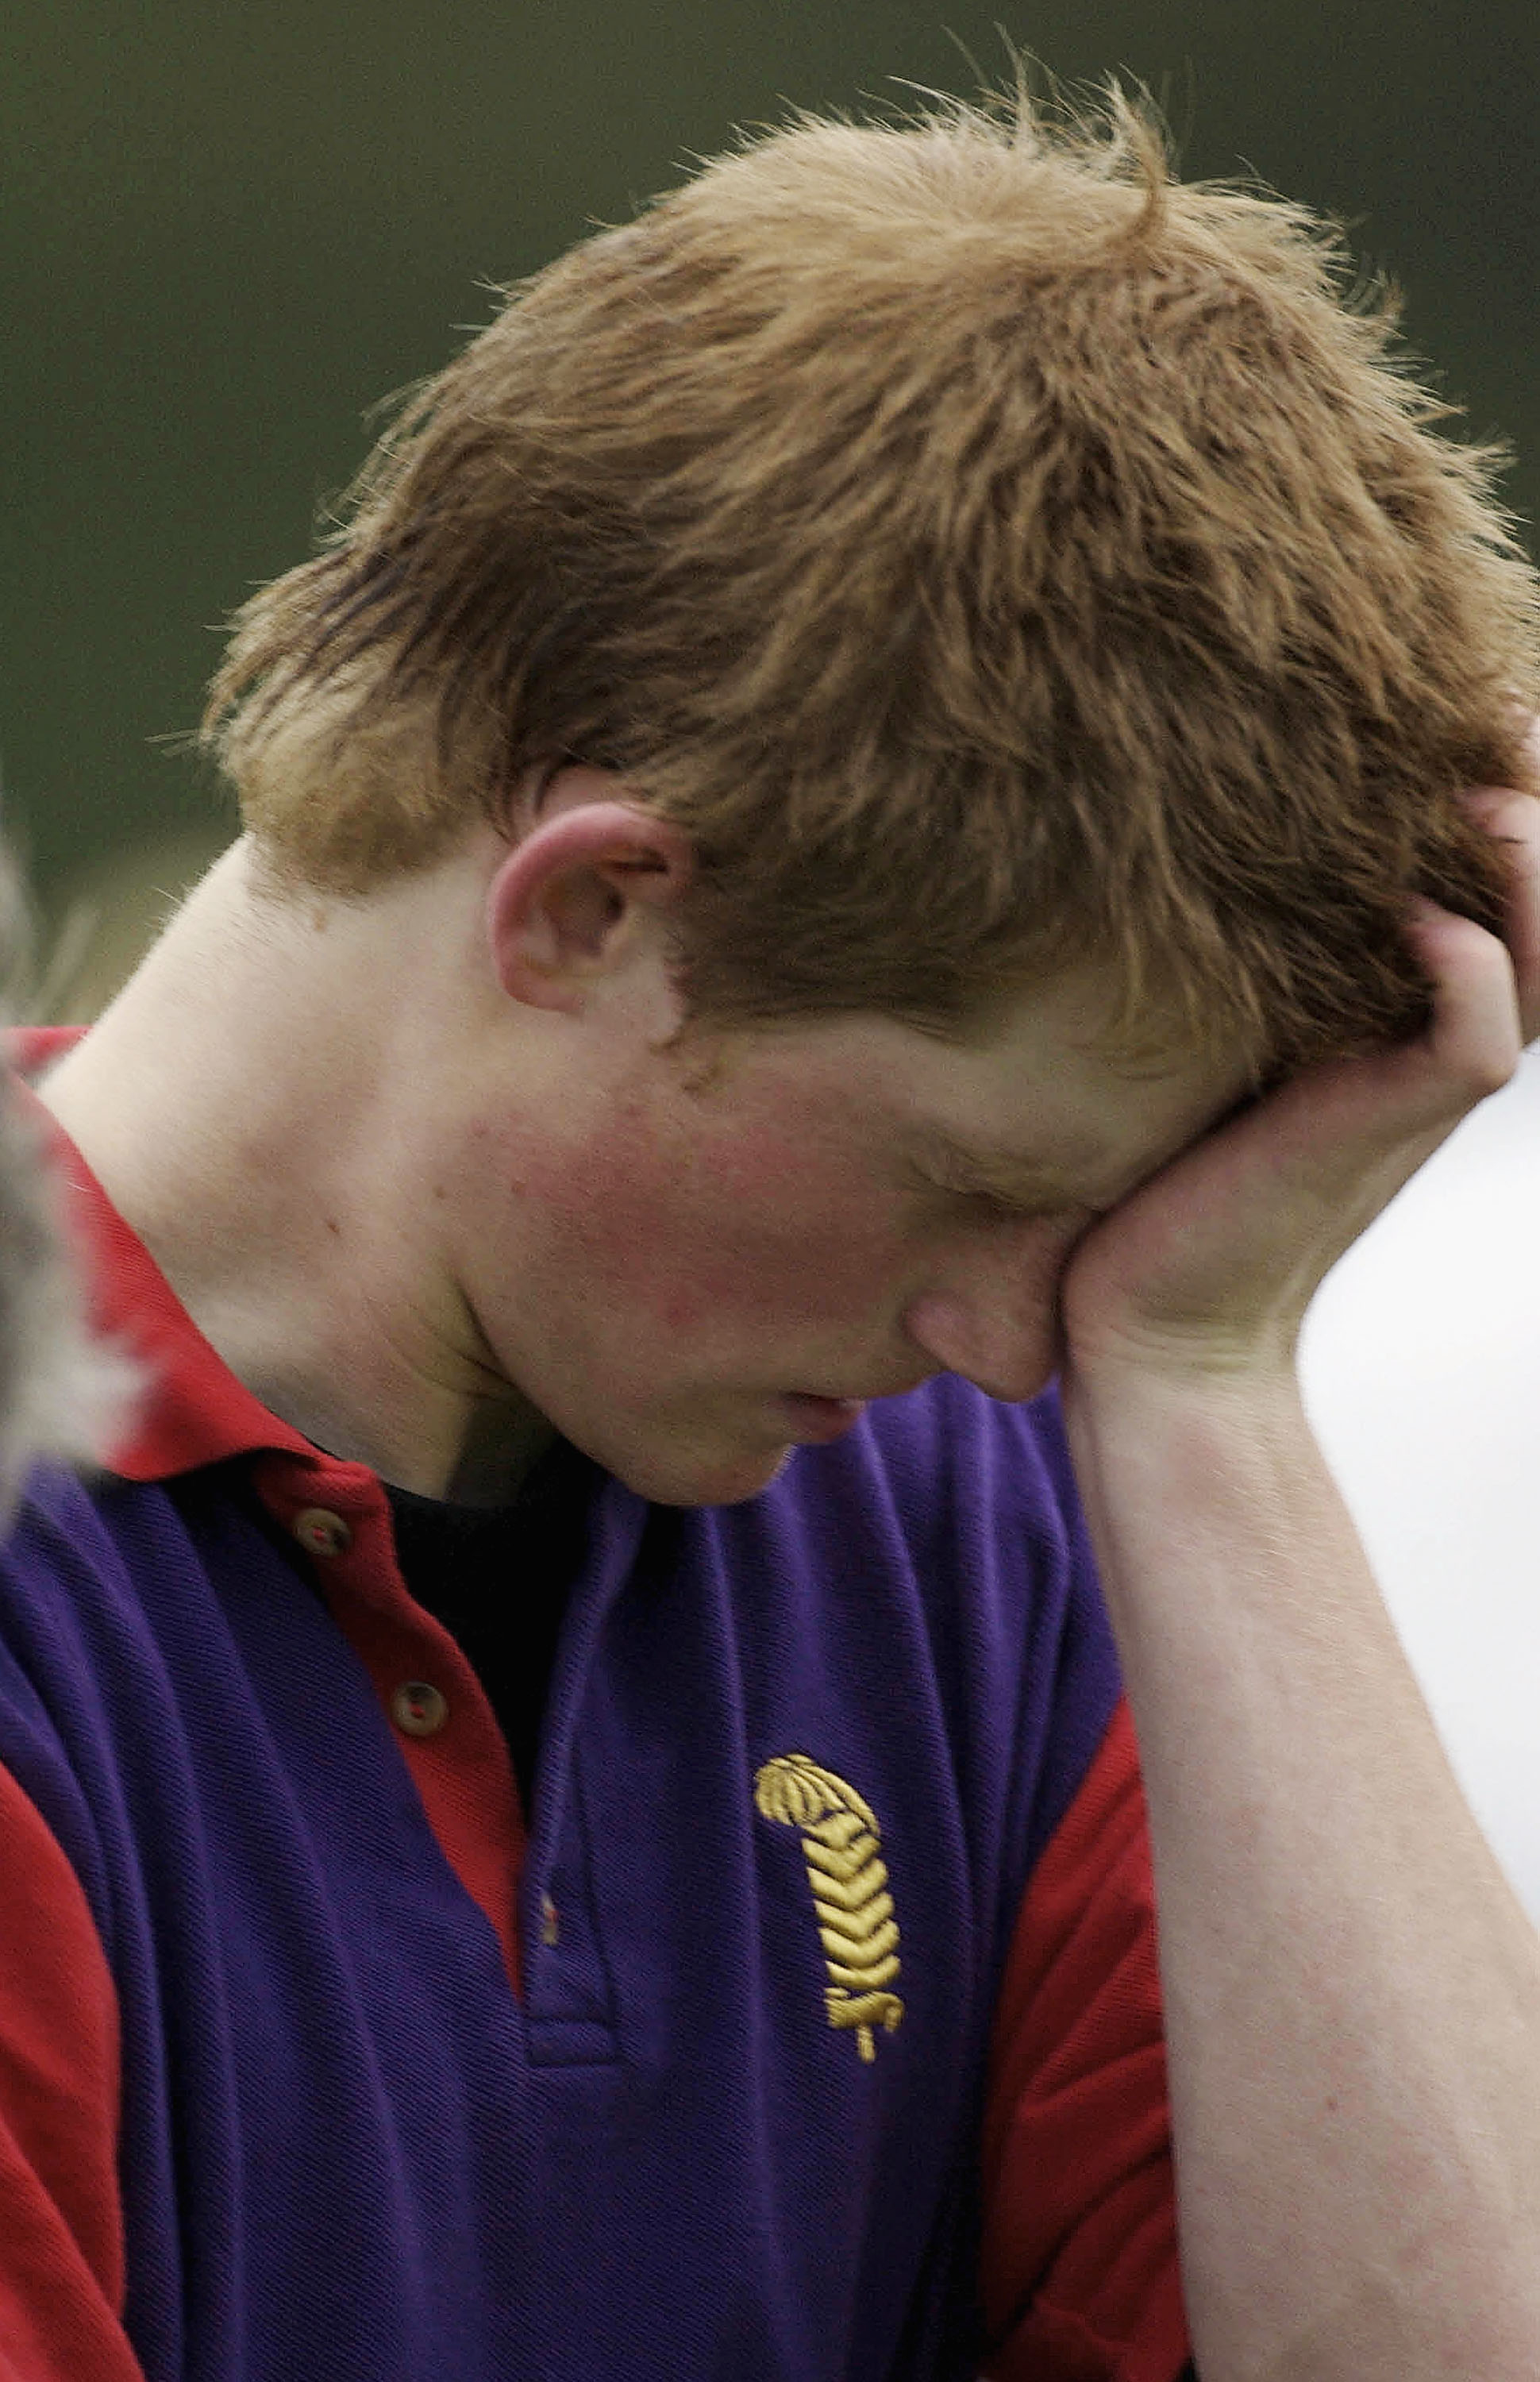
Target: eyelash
(991, 1203)
(996, 1206)
(995, 1209)
(994, 1203)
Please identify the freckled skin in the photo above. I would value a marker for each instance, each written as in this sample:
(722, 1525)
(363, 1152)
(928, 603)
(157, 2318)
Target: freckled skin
(745, 1231)
(679, 1250)
(762, 1228)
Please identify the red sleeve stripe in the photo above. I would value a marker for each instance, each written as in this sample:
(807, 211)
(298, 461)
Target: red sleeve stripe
(1080, 2273)
(61, 2221)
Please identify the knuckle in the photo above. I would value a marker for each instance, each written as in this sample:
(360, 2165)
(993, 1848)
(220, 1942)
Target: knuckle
(1485, 1072)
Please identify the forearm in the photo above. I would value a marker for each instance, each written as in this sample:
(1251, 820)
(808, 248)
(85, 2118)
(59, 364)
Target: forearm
(1352, 1993)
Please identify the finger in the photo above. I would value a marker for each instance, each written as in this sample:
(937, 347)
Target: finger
(1514, 819)
(1472, 1044)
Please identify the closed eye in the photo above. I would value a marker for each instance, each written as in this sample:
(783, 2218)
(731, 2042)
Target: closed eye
(994, 1204)
(1006, 1209)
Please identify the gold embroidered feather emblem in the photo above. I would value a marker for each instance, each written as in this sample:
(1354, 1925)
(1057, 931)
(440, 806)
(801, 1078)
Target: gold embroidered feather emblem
(842, 1847)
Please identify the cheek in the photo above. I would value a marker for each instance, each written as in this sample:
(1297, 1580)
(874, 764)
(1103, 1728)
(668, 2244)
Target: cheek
(765, 1227)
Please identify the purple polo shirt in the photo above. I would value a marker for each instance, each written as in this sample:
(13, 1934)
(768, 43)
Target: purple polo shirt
(826, 1974)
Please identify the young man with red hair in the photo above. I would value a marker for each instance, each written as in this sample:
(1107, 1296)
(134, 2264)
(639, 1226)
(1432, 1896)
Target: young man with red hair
(908, 778)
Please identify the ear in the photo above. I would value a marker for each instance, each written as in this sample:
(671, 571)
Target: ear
(579, 899)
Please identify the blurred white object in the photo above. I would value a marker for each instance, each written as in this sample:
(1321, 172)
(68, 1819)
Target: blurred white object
(63, 1396)
(1422, 1373)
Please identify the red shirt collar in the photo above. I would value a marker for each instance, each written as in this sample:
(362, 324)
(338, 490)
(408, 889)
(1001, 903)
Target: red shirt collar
(193, 1410)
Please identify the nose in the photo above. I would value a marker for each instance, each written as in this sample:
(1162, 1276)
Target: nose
(990, 1310)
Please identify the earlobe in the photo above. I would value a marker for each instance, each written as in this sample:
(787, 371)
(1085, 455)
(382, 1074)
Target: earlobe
(576, 900)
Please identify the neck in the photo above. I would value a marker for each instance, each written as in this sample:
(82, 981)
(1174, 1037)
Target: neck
(279, 1134)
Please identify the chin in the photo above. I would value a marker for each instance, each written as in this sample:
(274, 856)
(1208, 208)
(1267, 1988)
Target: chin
(685, 1475)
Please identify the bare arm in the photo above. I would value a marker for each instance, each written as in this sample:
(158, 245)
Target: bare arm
(1352, 1994)
(1352, 1991)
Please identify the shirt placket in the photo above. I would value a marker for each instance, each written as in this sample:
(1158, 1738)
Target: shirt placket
(442, 1720)
(571, 2001)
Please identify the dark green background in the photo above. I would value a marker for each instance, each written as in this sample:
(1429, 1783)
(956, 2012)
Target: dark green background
(228, 230)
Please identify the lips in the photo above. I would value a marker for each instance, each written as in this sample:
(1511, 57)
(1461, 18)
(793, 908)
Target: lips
(869, 1396)
(822, 1418)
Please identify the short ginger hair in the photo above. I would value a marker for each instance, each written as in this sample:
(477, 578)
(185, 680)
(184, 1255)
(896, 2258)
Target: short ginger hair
(994, 552)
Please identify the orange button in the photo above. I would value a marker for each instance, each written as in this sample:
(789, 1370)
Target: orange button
(418, 1708)
(323, 1534)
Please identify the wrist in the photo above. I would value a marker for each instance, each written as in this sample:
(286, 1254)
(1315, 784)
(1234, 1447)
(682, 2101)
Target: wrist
(1243, 1400)
(1206, 1493)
